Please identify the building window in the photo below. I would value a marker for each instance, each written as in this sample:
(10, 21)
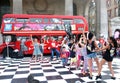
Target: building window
(108, 3)
(116, 11)
(109, 13)
(116, 2)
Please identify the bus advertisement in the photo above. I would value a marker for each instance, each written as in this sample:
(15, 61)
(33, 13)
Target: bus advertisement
(17, 28)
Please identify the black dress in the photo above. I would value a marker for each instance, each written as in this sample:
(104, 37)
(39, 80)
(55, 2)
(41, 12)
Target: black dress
(72, 54)
(109, 54)
(90, 47)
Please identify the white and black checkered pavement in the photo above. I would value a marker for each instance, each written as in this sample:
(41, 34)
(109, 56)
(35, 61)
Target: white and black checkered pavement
(17, 71)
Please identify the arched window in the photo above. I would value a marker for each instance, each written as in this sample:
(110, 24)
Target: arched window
(116, 2)
(108, 3)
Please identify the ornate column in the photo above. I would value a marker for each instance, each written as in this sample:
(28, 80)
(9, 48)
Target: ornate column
(118, 7)
(68, 7)
(17, 6)
(92, 16)
(102, 17)
(98, 18)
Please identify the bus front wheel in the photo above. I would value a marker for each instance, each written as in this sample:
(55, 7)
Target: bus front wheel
(5, 52)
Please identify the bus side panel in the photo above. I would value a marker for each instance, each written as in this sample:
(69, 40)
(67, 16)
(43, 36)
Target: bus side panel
(30, 47)
(3, 46)
(80, 27)
(47, 47)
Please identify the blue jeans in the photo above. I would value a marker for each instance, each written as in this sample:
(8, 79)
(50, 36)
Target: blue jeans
(64, 61)
(56, 51)
(92, 55)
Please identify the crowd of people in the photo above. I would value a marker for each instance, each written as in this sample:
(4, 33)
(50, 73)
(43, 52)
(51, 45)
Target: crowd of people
(81, 50)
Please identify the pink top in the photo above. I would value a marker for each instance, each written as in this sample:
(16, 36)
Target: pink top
(78, 50)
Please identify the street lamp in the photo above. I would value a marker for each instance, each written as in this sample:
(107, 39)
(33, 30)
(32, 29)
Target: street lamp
(7, 43)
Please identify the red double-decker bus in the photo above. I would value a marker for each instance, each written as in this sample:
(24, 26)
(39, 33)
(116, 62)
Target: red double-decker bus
(19, 27)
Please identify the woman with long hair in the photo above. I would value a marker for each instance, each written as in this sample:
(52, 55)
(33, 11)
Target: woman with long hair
(108, 56)
(91, 48)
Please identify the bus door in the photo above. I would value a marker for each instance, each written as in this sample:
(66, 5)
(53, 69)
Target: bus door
(26, 45)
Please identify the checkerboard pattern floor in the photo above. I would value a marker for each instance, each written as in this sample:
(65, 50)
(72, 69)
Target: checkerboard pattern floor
(17, 71)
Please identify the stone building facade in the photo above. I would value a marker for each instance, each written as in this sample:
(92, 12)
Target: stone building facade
(112, 8)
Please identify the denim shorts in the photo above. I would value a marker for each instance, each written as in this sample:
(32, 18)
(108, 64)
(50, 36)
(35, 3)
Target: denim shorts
(92, 55)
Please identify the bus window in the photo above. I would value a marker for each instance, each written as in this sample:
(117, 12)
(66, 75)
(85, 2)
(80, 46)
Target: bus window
(57, 38)
(9, 20)
(21, 20)
(10, 38)
(77, 21)
(60, 38)
(7, 38)
(55, 20)
(35, 20)
(8, 27)
(45, 20)
(67, 21)
(59, 27)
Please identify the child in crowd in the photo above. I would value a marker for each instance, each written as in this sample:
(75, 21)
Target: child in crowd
(78, 54)
(82, 42)
(37, 50)
(108, 57)
(64, 56)
(73, 57)
(42, 50)
(65, 44)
